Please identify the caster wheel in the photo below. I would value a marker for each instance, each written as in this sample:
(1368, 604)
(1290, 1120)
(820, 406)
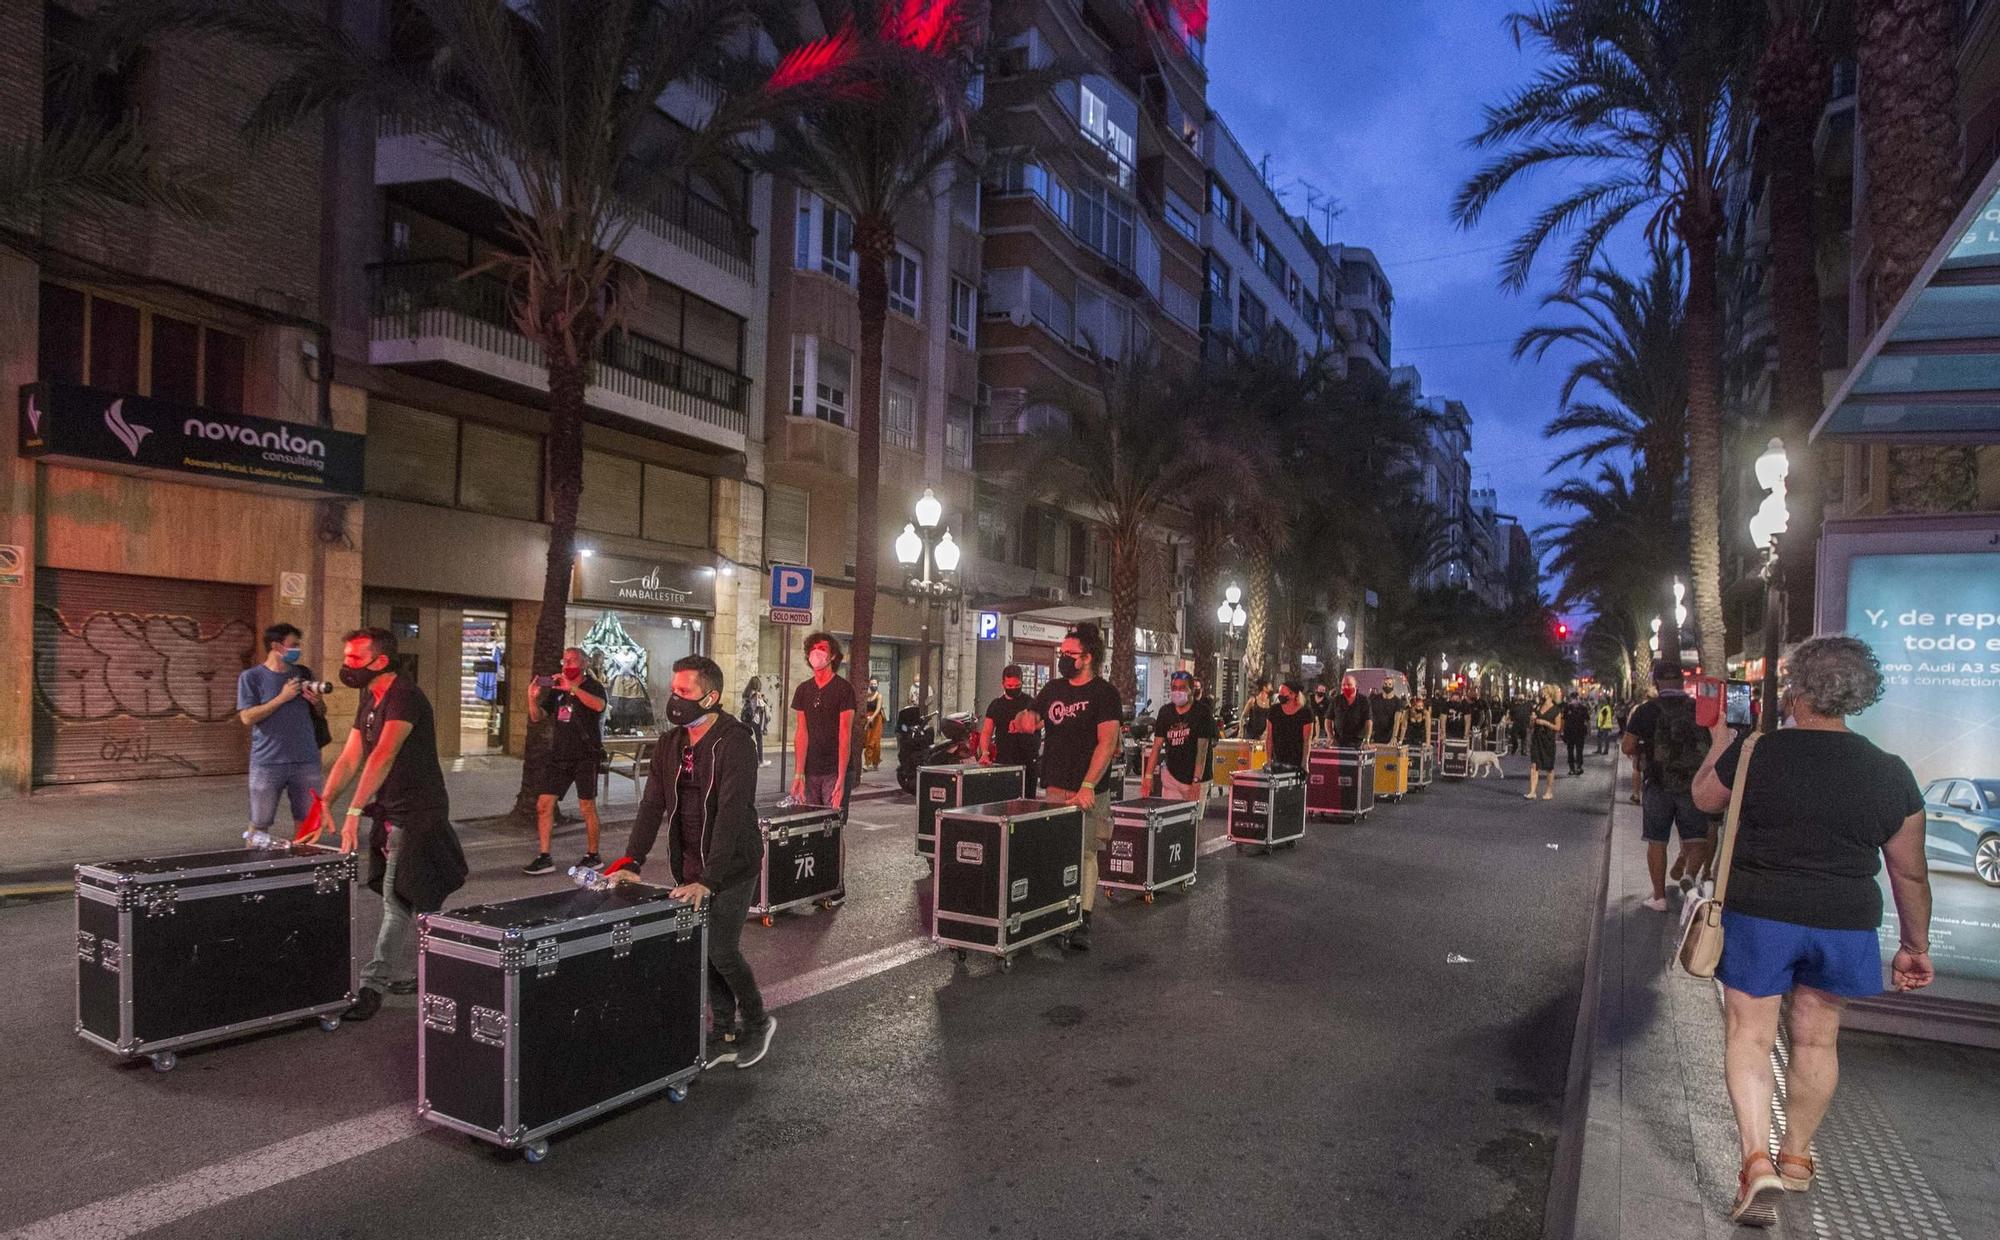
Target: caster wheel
(1146, 898)
(1006, 964)
(535, 1151)
(958, 956)
(328, 1024)
(677, 1093)
(768, 920)
(164, 1061)
(1190, 881)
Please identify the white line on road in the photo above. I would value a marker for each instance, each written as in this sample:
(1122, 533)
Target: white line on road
(156, 1205)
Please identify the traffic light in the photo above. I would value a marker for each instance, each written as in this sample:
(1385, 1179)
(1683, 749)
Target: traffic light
(1562, 631)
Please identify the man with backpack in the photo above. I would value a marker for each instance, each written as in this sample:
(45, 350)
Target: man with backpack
(1663, 735)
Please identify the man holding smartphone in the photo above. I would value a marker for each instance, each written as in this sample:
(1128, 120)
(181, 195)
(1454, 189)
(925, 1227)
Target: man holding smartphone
(574, 702)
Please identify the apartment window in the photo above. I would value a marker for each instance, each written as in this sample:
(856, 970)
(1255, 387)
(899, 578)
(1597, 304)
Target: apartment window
(1221, 203)
(1180, 217)
(675, 506)
(822, 376)
(1050, 308)
(964, 309)
(958, 434)
(1094, 118)
(411, 454)
(906, 281)
(121, 347)
(1251, 317)
(1025, 176)
(1104, 221)
(823, 238)
(612, 491)
(499, 471)
(995, 533)
(1103, 323)
(787, 524)
(1180, 304)
(899, 411)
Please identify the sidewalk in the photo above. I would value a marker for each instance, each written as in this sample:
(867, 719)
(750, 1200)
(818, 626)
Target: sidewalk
(1907, 1151)
(44, 835)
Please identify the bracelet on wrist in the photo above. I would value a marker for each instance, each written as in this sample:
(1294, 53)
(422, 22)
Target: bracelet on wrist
(1914, 950)
(353, 812)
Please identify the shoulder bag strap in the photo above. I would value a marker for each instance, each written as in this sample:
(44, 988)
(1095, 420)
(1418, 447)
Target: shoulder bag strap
(1735, 814)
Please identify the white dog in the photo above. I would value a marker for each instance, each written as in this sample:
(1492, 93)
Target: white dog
(1485, 760)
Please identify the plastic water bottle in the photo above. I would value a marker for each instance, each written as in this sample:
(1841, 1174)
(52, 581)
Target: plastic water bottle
(254, 838)
(589, 877)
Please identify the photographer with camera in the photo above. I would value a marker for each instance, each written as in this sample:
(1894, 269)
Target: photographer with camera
(280, 704)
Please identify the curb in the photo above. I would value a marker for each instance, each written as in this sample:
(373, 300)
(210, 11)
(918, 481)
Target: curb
(1566, 1179)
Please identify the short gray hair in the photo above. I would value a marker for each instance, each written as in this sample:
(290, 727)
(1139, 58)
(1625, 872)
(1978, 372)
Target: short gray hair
(1836, 675)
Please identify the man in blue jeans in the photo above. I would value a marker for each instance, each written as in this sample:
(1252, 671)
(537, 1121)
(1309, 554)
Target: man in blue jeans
(1662, 733)
(274, 702)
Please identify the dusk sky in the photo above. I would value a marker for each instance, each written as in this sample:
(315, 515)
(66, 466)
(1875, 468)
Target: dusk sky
(1371, 101)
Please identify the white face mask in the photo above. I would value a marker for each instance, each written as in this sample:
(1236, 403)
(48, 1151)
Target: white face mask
(818, 659)
(1179, 696)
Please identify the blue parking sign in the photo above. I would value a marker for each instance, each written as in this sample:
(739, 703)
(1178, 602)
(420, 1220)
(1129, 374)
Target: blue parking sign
(989, 626)
(791, 587)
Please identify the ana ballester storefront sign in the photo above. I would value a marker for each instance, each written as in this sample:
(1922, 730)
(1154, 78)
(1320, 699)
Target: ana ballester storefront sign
(634, 582)
(62, 421)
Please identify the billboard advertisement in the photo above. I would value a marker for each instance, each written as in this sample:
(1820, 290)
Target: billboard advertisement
(1924, 593)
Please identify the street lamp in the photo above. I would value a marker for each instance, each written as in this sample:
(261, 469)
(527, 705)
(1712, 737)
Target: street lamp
(929, 557)
(1340, 644)
(1766, 527)
(1231, 616)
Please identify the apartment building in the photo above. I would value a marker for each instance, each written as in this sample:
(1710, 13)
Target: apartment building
(1364, 302)
(1092, 253)
(1442, 480)
(1261, 277)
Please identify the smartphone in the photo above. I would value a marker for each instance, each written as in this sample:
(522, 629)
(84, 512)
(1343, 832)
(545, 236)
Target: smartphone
(1739, 704)
(1708, 693)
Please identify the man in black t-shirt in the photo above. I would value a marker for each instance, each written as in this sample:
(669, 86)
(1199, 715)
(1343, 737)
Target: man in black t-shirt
(1079, 713)
(1348, 720)
(573, 702)
(1184, 733)
(824, 704)
(1667, 787)
(415, 858)
(999, 742)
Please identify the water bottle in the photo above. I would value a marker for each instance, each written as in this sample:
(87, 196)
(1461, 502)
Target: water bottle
(589, 877)
(253, 838)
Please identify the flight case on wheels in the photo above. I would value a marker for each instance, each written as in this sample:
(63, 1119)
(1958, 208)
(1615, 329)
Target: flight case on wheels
(1340, 783)
(1423, 766)
(177, 951)
(1233, 755)
(1392, 772)
(1267, 807)
(804, 859)
(948, 787)
(1151, 846)
(540, 1013)
(1456, 761)
(1009, 875)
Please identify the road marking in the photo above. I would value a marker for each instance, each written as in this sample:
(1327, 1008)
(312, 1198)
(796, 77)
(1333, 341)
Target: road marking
(169, 1201)
(878, 826)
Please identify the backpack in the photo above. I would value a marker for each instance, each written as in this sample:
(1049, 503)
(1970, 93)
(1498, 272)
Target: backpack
(1679, 743)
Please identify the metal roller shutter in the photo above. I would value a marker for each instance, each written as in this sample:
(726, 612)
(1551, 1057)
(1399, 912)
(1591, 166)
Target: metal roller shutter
(135, 677)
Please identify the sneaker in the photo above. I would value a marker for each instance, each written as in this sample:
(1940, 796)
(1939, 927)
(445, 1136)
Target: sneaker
(1656, 903)
(366, 1004)
(403, 988)
(540, 865)
(755, 1042)
(590, 861)
(726, 1044)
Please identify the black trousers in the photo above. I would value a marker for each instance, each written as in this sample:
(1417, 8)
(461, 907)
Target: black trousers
(1575, 753)
(732, 988)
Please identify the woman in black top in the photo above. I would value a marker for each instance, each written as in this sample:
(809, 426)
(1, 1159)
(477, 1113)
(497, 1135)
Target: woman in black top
(1287, 728)
(1542, 727)
(1821, 808)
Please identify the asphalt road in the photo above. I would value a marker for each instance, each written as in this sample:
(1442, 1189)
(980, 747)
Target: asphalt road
(1288, 1049)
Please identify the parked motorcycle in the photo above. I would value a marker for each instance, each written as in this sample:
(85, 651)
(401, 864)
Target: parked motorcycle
(922, 742)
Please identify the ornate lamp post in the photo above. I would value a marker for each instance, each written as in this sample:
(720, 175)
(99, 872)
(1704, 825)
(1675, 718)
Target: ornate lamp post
(1766, 527)
(1231, 616)
(930, 572)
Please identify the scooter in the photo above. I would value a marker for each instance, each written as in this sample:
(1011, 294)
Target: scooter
(918, 743)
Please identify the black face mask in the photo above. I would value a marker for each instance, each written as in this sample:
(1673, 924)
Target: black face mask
(359, 677)
(1066, 666)
(684, 711)
(1013, 692)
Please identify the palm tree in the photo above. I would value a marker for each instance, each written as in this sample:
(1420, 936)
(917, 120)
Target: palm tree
(1611, 554)
(1909, 125)
(551, 107)
(900, 114)
(79, 166)
(1645, 93)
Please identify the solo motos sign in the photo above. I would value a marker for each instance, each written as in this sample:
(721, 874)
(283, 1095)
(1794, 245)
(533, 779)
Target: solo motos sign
(116, 428)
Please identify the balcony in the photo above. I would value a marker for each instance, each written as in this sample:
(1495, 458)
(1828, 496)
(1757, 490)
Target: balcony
(429, 317)
(679, 236)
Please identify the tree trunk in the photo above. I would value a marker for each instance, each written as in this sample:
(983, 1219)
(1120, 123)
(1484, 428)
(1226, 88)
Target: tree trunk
(874, 241)
(1910, 138)
(567, 380)
(1126, 568)
(1793, 79)
(1700, 228)
(1257, 632)
(1201, 613)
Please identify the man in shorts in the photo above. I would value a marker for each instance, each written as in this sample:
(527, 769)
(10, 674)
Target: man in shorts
(1662, 735)
(1184, 733)
(573, 702)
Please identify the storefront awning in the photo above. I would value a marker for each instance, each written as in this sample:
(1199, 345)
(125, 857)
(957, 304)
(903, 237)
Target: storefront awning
(1932, 372)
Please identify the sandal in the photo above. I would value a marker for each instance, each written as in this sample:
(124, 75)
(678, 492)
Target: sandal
(1789, 1166)
(1757, 1193)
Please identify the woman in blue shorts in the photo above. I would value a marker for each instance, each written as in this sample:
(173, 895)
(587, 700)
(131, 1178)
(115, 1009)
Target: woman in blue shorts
(1821, 808)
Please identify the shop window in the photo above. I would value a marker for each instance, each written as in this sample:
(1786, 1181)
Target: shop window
(114, 345)
(176, 359)
(677, 507)
(97, 341)
(411, 454)
(222, 368)
(899, 412)
(906, 281)
(787, 524)
(610, 500)
(500, 472)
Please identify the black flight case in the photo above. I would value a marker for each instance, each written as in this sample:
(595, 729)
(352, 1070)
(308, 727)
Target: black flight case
(1152, 845)
(948, 787)
(1340, 782)
(1267, 807)
(1009, 875)
(541, 1013)
(805, 859)
(178, 951)
(1423, 765)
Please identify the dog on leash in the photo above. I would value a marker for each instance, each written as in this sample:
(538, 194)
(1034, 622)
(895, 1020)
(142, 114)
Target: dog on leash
(1485, 761)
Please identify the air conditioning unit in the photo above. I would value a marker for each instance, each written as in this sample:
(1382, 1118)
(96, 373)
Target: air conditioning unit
(1052, 594)
(982, 393)
(1084, 587)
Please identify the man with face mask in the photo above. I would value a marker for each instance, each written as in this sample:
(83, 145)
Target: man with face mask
(1080, 713)
(1001, 740)
(1184, 733)
(574, 701)
(1348, 717)
(1288, 728)
(703, 786)
(274, 702)
(415, 858)
(1385, 715)
(824, 704)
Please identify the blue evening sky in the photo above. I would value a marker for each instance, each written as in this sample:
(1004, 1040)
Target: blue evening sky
(1371, 101)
